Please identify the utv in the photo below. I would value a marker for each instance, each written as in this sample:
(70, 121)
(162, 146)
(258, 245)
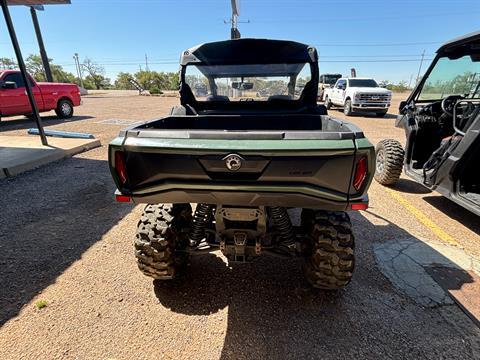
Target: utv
(441, 119)
(245, 153)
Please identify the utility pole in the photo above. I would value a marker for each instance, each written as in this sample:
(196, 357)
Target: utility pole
(43, 53)
(410, 81)
(79, 69)
(420, 67)
(146, 63)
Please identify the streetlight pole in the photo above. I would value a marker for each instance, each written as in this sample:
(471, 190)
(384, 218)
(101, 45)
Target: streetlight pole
(23, 71)
(79, 70)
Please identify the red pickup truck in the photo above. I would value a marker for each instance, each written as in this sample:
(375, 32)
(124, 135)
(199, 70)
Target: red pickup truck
(49, 96)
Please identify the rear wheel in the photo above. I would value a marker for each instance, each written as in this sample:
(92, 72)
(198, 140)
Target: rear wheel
(330, 259)
(162, 239)
(389, 161)
(64, 109)
(347, 107)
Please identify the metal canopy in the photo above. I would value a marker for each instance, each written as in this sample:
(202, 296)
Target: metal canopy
(21, 64)
(37, 2)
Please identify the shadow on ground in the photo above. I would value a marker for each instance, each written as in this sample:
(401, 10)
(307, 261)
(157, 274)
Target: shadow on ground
(26, 123)
(410, 186)
(455, 211)
(50, 217)
(272, 313)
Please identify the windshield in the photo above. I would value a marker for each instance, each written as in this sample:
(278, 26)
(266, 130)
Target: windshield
(452, 77)
(329, 79)
(248, 82)
(362, 83)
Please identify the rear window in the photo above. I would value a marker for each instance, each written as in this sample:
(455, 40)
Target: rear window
(329, 79)
(247, 82)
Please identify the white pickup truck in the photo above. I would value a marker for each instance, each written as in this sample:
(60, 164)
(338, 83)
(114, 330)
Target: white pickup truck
(358, 95)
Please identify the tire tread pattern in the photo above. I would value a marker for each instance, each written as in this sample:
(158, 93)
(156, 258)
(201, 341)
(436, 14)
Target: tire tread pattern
(331, 260)
(393, 161)
(162, 237)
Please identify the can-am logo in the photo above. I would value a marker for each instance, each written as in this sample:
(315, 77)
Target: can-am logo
(233, 162)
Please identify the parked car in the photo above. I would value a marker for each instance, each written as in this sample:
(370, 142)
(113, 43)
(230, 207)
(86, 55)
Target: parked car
(326, 81)
(49, 96)
(357, 95)
(244, 163)
(441, 119)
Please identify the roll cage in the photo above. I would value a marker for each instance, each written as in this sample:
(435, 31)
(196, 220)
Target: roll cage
(231, 54)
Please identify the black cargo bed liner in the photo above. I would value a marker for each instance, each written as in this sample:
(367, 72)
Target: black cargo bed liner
(254, 127)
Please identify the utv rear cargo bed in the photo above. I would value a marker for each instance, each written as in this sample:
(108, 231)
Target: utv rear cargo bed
(292, 160)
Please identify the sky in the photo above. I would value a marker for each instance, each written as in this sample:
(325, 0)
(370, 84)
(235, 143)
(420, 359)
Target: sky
(383, 39)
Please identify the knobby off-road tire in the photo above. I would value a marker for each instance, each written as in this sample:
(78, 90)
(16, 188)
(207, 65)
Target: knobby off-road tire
(389, 161)
(161, 240)
(330, 258)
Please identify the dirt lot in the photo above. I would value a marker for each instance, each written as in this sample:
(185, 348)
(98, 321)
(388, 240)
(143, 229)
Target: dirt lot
(64, 240)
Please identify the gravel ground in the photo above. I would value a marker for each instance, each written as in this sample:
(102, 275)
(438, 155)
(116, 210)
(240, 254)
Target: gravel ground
(65, 241)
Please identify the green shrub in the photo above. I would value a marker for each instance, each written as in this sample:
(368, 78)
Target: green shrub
(155, 90)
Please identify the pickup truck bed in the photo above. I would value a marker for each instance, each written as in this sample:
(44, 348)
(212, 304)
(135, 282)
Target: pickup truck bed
(290, 160)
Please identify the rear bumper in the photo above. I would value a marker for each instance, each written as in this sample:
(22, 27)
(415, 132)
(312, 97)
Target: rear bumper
(285, 196)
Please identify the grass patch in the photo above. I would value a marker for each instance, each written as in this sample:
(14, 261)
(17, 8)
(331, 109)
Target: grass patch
(40, 304)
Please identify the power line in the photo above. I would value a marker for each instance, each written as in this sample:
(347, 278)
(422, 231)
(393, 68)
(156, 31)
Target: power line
(374, 61)
(380, 44)
(369, 56)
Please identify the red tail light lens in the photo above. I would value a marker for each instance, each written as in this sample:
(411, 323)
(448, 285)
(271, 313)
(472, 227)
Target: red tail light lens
(359, 206)
(123, 198)
(120, 166)
(361, 169)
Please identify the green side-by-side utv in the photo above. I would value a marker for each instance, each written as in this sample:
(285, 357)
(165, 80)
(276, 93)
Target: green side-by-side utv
(441, 119)
(245, 153)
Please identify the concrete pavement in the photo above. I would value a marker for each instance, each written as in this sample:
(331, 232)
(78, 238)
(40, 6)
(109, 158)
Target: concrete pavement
(22, 153)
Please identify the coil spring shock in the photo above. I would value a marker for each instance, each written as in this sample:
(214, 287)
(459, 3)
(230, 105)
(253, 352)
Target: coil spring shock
(284, 226)
(202, 216)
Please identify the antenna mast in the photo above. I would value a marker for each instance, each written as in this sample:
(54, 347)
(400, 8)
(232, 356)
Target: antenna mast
(234, 33)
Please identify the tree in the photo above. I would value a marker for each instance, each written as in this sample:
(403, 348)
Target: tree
(123, 81)
(60, 75)
(96, 82)
(173, 81)
(35, 68)
(96, 75)
(158, 80)
(144, 78)
(6, 63)
(384, 83)
(400, 87)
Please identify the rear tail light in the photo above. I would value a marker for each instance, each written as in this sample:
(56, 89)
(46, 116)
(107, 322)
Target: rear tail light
(120, 166)
(359, 206)
(123, 198)
(361, 169)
